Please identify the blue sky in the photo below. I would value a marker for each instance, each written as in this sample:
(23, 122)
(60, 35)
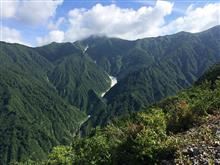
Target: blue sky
(39, 22)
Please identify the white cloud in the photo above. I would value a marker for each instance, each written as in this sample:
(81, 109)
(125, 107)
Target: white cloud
(11, 35)
(30, 12)
(8, 8)
(111, 20)
(55, 25)
(144, 22)
(117, 22)
(195, 19)
(34, 12)
(53, 36)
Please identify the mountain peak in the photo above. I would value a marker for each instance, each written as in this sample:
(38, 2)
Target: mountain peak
(95, 36)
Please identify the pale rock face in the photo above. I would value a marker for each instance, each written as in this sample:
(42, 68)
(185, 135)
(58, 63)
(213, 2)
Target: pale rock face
(113, 82)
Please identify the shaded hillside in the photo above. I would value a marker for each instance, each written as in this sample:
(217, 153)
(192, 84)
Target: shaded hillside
(211, 74)
(33, 117)
(75, 76)
(75, 73)
(57, 51)
(107, 52)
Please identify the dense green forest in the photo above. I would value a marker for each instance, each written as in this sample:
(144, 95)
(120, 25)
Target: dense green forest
(74, 73)
(33, 117)
(49, 94)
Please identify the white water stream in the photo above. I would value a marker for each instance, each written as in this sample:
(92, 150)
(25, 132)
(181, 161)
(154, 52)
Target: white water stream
(113, 82)
(85, 49)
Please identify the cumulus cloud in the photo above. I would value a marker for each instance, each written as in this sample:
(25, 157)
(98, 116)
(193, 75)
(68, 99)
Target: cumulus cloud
(111, 20)
(131, 24)
(195, 19)
(117, 22)
(55, 35)
(30, 12)
(8, 8)
(55, 25)
(34, 12)
(11, 35)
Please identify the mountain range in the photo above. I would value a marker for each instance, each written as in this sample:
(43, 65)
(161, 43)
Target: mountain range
(48, 93)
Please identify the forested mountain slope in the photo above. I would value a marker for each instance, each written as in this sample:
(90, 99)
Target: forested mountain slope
(154, 68)
(33, 117)
(119, 57)
(147, 70)
(75, 73)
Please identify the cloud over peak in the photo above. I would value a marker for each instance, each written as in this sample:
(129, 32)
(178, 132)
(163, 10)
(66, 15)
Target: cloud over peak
(115, 21)
(110, 20)
(146, 21)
